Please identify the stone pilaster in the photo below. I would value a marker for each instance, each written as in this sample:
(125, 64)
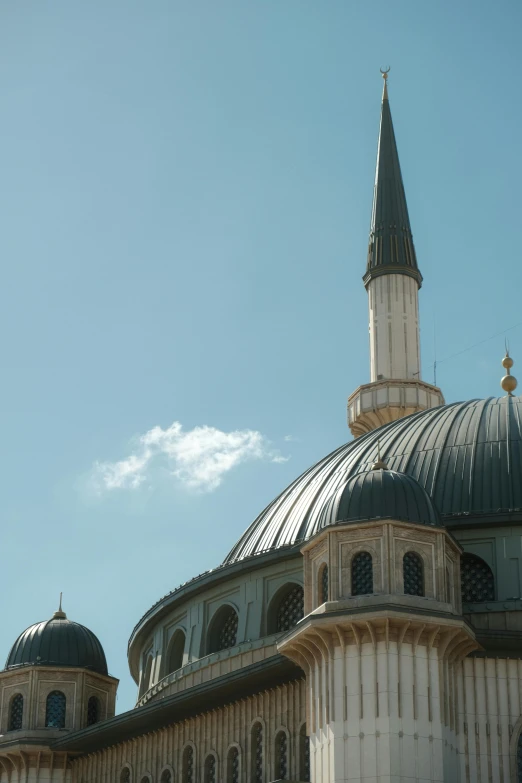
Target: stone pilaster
(382, 694)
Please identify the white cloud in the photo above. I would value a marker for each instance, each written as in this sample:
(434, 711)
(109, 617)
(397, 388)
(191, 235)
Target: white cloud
(198, 458)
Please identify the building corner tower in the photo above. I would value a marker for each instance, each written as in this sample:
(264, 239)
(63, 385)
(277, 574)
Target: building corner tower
(392, 281)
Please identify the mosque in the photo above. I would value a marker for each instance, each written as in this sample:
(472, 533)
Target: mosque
(367, 626)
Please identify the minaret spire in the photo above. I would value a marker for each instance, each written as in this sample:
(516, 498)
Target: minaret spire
(391, 247)
(392, 280)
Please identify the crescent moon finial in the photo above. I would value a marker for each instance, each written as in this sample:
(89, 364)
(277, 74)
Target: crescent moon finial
(385, 72)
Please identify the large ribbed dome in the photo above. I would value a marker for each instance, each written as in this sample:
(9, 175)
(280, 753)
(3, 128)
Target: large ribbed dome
(58, 642)
(467, 456)
(380, 494)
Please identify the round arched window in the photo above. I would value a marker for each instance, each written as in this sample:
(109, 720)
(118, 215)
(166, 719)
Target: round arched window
(362, 574)
(290, 608)
(257, 754)
(413, 573)
(210, 769)
(325, 585)
(281, 756)
(188, 765)
(93, 711)
(477, 581)
(176, 652)
(233, 766)
(55, 710)
(16, 712)
(223, 629)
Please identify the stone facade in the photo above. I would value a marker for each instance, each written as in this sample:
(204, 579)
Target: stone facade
(214, 733)
(25, 753)
(251, 593)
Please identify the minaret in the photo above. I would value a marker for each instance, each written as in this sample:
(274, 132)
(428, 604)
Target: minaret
(392, 280)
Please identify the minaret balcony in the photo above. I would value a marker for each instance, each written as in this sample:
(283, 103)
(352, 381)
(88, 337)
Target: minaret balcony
(381, 402)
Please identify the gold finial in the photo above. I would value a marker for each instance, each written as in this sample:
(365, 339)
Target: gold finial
(60, 614)
(385, 77)
(379, 464)
(508, 382)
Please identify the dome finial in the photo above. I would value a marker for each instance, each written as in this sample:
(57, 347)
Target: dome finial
(508, 382)
(379, 464)
(385, 77)
(60, 614)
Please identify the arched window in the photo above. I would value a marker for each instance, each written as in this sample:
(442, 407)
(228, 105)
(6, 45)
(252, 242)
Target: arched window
(362, 574)
(287, 609)
(519, 759)
(176, 651)
(125, 775)
(477, 581)
(413, 574)
(145, 675)
(281, 756)
(324, 586)
(145, 779)
(188, 765)
(55, 710)
(166, 776)
(223, 629)
(233, 766)
(257, 753)
(304, 755)
(93, 711)
(16, 712)
(210, 769)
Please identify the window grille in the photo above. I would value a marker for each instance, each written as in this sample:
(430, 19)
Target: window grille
(210, 769)
(125, 775)
(166, 776)
(324, 584)
(228, 632)
(188, 765)
(362, 574)
(93, 711)
(257, 754)
(233, 766)
(519, 759)
(16, 712)
(291, 609)
(281, 756)
(304, 755)
(477, 581)
(55, 710)
(413, 574)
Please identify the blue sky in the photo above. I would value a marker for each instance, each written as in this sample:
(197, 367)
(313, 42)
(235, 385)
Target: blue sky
(185, 197)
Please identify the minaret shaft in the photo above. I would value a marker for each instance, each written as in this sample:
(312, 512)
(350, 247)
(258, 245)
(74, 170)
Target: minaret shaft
(394, 328)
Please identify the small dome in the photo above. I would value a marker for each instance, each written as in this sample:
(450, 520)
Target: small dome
(380, 494)
(58, 642)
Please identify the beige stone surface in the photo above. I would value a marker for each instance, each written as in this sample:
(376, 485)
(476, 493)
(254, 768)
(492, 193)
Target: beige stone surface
(213, 732)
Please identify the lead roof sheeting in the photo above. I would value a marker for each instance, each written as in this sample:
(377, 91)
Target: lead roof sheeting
(391, 243)
(467, 456)
(58, 642)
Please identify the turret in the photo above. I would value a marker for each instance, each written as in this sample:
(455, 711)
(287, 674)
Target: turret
(392, 280)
